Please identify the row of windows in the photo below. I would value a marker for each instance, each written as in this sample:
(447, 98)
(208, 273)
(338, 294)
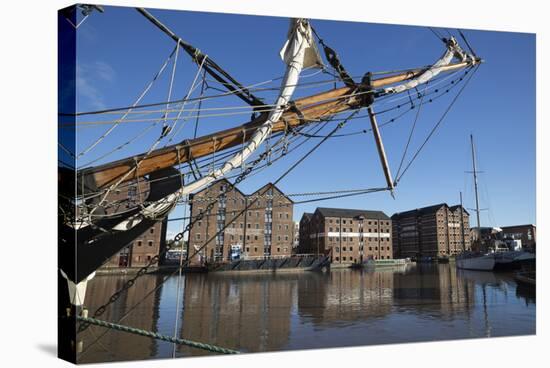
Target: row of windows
(220, 237)
(330, 238)
(351, 259)
(360, 248)
(140, 243)
(241, 225)
(360, 230)
(361, 221)
(285, 249)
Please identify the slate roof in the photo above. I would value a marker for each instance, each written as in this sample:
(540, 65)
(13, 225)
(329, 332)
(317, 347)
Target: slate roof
(353, 213)
(426, 210)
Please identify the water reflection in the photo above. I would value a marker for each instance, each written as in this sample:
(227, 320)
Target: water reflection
(270, 312)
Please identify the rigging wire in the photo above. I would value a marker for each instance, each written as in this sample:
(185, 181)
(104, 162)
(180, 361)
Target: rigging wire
(410, 134)
(147, 88)
(225, 94)
(333, 119)
(282, 176)
(437, 34)
(415, 156)
(381, 101)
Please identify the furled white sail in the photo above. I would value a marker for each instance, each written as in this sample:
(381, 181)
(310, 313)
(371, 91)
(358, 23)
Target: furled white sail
(299, 52)
(453, 51)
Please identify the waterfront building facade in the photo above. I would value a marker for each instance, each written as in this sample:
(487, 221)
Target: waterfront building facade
(346, 235)
(296, 236)
(147, 245)
(526, 233)
(433, 231)
(264, 230)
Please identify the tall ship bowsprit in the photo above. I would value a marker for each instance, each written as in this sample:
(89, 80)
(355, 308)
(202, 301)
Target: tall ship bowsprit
(93, 227)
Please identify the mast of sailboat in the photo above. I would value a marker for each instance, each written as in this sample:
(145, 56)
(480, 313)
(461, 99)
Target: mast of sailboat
(462, 224)
(475, 180)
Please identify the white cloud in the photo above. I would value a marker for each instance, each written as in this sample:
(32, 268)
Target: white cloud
(88, 76)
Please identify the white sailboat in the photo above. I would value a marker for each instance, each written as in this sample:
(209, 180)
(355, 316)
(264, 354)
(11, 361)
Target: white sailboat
(478, 261)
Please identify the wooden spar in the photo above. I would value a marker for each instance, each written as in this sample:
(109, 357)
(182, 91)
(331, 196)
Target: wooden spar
(210, 66)
(312, 108)
(380, 147)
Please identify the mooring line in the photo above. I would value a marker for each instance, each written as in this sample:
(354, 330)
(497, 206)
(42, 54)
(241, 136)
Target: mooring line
(157, 336)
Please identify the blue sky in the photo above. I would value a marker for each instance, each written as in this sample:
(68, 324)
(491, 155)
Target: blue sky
(119, 51)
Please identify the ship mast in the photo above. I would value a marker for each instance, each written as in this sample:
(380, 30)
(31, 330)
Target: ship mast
(462, 223)
(475, 180)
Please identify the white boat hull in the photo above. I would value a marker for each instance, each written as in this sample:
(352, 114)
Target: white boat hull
(479, 263)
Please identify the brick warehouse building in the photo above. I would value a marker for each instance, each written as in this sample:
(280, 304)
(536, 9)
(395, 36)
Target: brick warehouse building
(526, 233)
(266, 229)
(146, 246)
(347, 235)
(432, 231)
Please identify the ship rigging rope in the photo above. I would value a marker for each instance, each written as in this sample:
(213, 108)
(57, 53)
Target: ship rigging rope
(243, 175)
(138, 163)
(454, 83)
(411, 133)
(140, 97)
(415, 156)
(262, 108)
(99, 311)
(157, 336)
(206, 158)
(225, 94)
(187, 96)
(226, 154)
(188, 117)
(297, 132)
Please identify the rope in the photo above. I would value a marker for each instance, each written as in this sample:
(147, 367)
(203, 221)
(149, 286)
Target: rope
(186, 98)
(261, 108)
(441, 38)
(436, 125)
(109, 131)
(157, 336)
(174, 66)
(410, 134)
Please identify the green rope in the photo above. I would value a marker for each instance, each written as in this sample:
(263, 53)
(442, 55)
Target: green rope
(154, 335)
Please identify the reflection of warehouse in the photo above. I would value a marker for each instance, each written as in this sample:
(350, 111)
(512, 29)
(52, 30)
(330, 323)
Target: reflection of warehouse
(127, 346)
(266, 229)
(345, 296)
(432, 231)
(434, 290)
(238, 311)
(347, 235)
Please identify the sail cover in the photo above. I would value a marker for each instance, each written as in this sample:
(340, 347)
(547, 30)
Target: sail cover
(299, 52)
(453, 50)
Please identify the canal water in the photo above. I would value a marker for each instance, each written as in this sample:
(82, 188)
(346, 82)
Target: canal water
(289, 311)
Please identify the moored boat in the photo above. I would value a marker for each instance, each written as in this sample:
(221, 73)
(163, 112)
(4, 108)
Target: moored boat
(476, 261)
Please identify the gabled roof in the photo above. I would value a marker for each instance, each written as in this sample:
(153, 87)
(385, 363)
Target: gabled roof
(346, 212)
(511, 226)
(457, 207)
(306, 216)
(427, 210)
(222, 180)
(275, 188)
